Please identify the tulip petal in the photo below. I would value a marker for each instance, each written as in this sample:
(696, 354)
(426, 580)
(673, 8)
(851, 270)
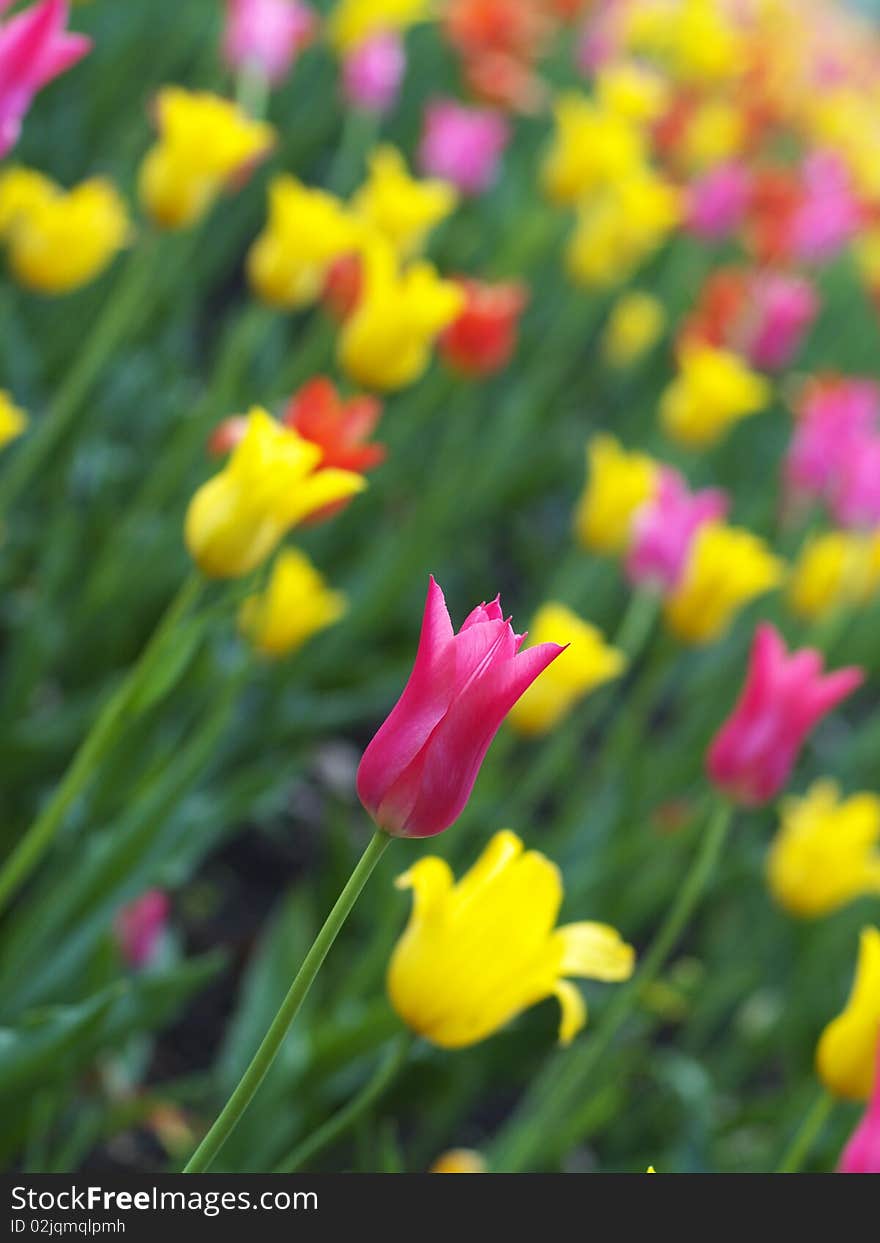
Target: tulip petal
(594, 951)
(574, 1010)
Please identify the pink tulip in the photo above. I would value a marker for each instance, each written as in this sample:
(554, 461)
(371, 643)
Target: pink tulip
(835, 420)
(829, 214)
(35, 47)
(373, 71)
(855, 490)
(787, 307)
(417, 773)
(462, 145)
(784, 698)
(664, 530)
(862, 1153)
(266, 35)
(718, 201)
(140, 924)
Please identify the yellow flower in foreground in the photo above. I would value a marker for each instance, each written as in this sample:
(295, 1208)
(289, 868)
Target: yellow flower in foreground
(459, 1161)
(618, 484)
(271, 482)
(838, 569)
(13, 420)
(400, 207)
(478, 952)
(714, 390)
(847, 1051)
(827, 851)
(205, 141)
(586, 663)
(728, 567)
(621, 227)
(386, 343)
(592, 147)
(295, 604)
(307, 230)
(59, 240)
(352, 21)
(635, 324)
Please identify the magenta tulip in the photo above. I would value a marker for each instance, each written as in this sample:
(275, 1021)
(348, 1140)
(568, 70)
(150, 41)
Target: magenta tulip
(784, 698)
(417, 773)
(139, 927)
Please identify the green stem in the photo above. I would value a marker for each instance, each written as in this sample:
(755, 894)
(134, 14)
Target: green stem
(119, 311)
(807, 1133)
(92, 749)
(548, 1105)
(345, 1118)
(265, 1055)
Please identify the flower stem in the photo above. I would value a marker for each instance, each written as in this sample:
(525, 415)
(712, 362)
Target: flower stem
(93, 747)
(548, 1105)
(807, 1133)
(349, 1114)
(265, 1055)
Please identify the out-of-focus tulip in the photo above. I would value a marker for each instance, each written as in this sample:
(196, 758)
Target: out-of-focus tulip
(340, 427)
(825, 854)
(698, 42)
(845, 1054)
(35, 47)
(481, 340)
(478, 952)
(272, 481)
(835, 418)
(386, 341)
(417, 773)
(139, 927)
(718, 200)
(295, 604)
(306, 231)
(57, 240)
(862, 1153)
(785, 696)
(462, 145)
(342, 286)
(713, 391)
(727, 568)
(401, 208)
(635, 325)
(13, 420)
(373, 71)
(664, 530)
(266, 35)
(592, 148)
(205, 145)
(619, 228)
(855, 490)
(587, 662)
(633, 91)
(838, 569)
(618, 485)
(459, 1161)
(353, 21)
(828, 215)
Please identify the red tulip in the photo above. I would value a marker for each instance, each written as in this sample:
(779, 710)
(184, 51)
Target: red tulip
(483, 338)
(341, 428)
(418, 772)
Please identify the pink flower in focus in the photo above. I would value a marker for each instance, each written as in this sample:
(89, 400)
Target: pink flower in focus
(373, 71)
(718, 201)
(835, 420)
(417, 773)
(35, 47)
(784, 698)
(829, 214)
(854, 496)
(140, 924)
(664, 530)
(788, 305)
(462, 145)
(266, 34)
(862, 1153)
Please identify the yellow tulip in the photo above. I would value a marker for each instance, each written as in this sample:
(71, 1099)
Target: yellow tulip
(695, 40)
(618, 485)
(620, 227)
(586, 663)
(295, 604)
(400, 207)
(635, 325)
(459, 1161)
(838, 569)
(593, 147)
(632, 91)
(13, 420)
(271, 482)
(727, 568)
(826, 852)
(478, 952)
(847, 1051)
(714, 390)
(353, 21)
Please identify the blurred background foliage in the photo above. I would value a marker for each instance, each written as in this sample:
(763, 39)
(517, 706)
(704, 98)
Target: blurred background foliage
(236, 793)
